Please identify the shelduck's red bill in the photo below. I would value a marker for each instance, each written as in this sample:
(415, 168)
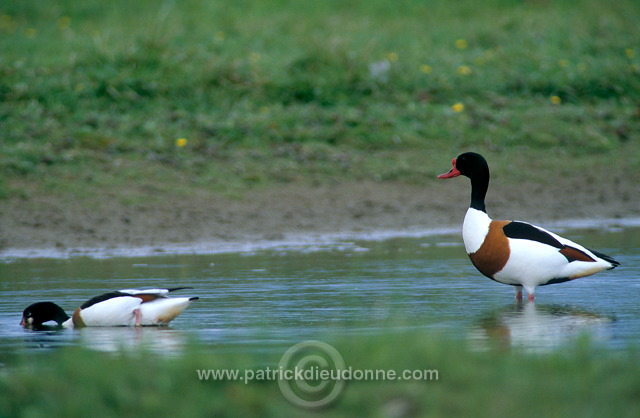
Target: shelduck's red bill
(454, 172)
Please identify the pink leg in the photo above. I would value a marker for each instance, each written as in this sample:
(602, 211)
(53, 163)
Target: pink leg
(530, 297)
(519, 296)
(138, 317)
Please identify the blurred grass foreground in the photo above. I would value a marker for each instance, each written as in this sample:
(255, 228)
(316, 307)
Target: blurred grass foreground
(223, 95)
(579, 380)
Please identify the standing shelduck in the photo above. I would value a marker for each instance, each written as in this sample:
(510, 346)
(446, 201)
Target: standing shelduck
(127, 307)
(514, 252)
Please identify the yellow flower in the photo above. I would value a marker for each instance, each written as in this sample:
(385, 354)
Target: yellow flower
(464, 70)
(64, 22)
(556, 100)
(181, 142)
(563, 63)
(392, 56)
(425, 68)
(629, 52)
(31, 32)
(458, 107)
(461, 44)
(220, 36)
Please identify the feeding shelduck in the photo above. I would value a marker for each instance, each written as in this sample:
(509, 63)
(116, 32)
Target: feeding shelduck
(515, 252)
(119, 308)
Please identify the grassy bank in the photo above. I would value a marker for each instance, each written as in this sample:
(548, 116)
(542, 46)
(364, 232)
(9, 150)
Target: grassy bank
(579, 380)
(228, 95)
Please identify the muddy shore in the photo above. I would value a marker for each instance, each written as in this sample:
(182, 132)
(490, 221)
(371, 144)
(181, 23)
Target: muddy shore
(67, 225)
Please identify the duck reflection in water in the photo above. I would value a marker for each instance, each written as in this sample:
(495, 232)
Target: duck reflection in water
(538, 328)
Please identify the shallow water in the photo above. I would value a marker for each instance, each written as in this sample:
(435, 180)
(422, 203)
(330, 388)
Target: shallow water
(260, 300)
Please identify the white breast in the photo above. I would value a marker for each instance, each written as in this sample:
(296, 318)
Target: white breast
(474, 229)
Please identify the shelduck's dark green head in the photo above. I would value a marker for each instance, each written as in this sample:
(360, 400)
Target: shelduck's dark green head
(474, 166)
(468, 164)
(38, 313)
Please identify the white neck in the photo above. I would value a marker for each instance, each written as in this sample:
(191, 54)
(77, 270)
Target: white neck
(475, 229)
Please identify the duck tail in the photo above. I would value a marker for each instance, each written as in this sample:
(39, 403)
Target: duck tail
(607, 258)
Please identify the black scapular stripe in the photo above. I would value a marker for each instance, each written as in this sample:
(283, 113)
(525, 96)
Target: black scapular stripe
(102, 298)
(523, 230)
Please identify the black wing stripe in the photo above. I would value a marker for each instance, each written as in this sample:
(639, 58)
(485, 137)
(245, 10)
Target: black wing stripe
(102, 298)
(523, 230)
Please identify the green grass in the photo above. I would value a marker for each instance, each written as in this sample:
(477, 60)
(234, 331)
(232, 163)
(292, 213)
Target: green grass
(580, 380)
(95, 94)
(286, 91)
